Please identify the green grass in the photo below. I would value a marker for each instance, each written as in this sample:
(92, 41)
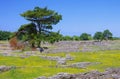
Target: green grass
(33, 67)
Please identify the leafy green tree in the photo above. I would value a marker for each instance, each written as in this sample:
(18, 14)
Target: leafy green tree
(98, 36)
(85, 36)
(5, 35)
(27, 32)
(67, 38)
(43, 18)
(76, 38)
(107, 34)
(54, 37)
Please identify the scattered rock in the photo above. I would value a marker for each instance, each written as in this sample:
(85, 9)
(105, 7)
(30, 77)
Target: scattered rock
(61, 61)
(80, 64)
(4, 68)
(43, 77)
(113, 74)
(68, 57)
(59, 76)
(23, 56)
(55, 58)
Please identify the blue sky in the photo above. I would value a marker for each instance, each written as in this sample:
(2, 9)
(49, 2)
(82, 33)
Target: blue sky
(79, 16)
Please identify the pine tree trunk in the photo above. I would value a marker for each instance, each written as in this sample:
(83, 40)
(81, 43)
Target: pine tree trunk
(39, 27)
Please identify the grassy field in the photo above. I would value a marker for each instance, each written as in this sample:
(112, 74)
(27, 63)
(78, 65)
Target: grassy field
(34, 66)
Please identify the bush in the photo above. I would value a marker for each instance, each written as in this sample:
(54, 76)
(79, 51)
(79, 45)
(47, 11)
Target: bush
(15, 44)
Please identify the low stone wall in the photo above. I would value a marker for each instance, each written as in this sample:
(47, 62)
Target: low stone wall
(111, 73)
(83, 46)
(58, 59)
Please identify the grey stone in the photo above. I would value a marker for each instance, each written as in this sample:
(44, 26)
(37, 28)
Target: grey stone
(68, 57)
(4, 68)
(61, 76)
(43, 77)
(61, 61)
(80, 64)
(55, 58)
(114, 73)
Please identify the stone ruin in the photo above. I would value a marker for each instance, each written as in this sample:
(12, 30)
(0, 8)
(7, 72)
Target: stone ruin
(62, 61)
(4, 68)
(110, 73)
(58, 59)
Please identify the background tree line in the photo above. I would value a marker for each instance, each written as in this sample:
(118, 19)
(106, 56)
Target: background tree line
(5, 35)
(98, 36)
(56, 36)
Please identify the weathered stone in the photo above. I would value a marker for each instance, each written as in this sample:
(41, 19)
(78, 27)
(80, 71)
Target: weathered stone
(62, 76)
(43, 77)
(4, 68)
(23, 56)
(114, 73)
(68, 57)
(55, 58)
(80, 64)
(61, 61)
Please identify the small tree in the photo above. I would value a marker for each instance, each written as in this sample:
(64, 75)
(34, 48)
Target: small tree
(98, 36)
(107, 34)
(85, 36)
(54, 37)
(15, 44)
(67, 38)
(43, 19)
(27, 32)
(76, 38)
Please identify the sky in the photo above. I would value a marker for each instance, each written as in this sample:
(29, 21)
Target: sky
(79, 16)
